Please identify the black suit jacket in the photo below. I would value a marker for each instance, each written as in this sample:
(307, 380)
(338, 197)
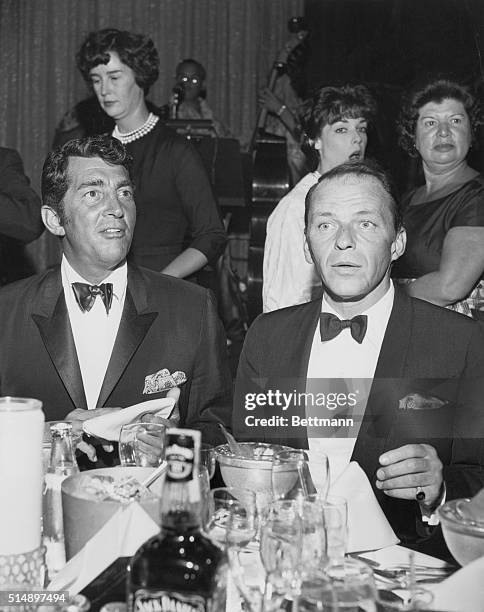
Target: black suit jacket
(20, 220)
(426, 349)
(166, 323)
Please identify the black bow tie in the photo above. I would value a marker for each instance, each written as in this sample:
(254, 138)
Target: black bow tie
(330, 326)
(86, 295)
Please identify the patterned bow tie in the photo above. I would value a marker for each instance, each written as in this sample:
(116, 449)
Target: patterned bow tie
(330, 326)
(86, 295)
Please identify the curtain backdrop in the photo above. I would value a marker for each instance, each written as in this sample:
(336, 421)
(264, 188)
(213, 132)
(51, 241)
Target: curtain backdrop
(236, 40)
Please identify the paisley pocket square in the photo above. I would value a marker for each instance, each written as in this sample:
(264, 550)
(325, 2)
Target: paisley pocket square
(415, 401)
(162, 381)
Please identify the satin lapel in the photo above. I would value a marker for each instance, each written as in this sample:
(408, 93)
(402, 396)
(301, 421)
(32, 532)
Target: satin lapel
(298, 346)
(133, 328)
(391, 365)
(396, 342)
(54, 326)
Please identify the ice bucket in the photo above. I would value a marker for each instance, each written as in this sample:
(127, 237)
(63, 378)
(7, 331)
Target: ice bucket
(84, 517)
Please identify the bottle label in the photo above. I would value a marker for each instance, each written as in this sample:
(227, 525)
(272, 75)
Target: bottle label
(180, 463)
(146, 600)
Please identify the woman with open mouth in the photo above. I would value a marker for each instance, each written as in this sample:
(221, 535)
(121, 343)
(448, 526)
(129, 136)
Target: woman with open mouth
(335, 123)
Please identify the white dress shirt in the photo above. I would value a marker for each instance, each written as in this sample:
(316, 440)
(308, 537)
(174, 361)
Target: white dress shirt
(94, 331)
(288, 278)
(344, 358)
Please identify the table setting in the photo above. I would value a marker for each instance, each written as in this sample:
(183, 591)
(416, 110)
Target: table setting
(294, 539)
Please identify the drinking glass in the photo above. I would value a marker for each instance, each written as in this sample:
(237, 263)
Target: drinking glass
(231, 517)
(208, 459)
(280, 550)
(204, 483)
(142, 444)
(347, 586)
(293, 474)
(335, 518)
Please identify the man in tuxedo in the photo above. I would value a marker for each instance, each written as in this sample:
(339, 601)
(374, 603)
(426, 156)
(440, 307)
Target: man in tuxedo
(419, 437)
(20, 220)
(87, 336)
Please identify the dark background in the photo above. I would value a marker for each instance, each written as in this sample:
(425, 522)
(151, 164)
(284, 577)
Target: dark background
(389, 45)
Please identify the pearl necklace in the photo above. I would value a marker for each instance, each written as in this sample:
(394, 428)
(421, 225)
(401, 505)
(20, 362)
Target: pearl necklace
(144, 129)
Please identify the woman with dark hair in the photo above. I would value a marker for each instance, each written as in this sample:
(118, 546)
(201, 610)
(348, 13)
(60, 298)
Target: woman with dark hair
(444, 218)
(178, 228)
(335, 122)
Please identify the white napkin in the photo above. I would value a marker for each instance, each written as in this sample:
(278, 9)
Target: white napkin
(463, 591)
(368, 527)
(108, 426)
(121, 536)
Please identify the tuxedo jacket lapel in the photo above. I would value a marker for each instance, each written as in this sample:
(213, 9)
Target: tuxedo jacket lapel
(51, 317)
(135, 322)
(390, 371)
(298, 349)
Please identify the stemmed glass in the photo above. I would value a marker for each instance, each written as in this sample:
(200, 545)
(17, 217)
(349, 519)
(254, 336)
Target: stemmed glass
(232, 524)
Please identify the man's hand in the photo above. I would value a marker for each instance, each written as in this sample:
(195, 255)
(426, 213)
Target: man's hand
(76, 418)
(150, 443)
(408, 467)
(269, 100)
(150, 417)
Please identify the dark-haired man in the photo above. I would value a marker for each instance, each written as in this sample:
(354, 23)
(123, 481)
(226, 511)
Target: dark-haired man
(89, 333)
(420, 432)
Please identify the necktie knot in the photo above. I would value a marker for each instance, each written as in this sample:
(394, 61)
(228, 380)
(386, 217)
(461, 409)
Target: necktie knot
(330, 326)
(86, 295)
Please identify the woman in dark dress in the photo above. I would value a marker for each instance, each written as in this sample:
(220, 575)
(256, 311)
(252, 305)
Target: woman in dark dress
(178, 228)
(444, 218)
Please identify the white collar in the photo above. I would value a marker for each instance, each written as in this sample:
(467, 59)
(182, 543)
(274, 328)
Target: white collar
(118, 278)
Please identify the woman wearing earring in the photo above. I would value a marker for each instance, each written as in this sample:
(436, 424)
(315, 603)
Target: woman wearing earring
(444, 218)
(335, 122)
(178, 227)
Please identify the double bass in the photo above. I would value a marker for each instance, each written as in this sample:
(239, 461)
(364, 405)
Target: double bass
(270, 178)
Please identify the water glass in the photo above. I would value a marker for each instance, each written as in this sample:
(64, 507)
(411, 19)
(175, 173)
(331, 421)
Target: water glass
(294, 475)
(142, 444)
(231, 517)
(341, 586)
(280, 549)
(208, 459)
(335, 518)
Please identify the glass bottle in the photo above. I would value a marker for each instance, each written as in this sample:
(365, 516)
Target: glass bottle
(180, 568)
(62, 464)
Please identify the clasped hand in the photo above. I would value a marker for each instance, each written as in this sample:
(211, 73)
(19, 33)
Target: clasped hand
(408, 467)
(152, 445)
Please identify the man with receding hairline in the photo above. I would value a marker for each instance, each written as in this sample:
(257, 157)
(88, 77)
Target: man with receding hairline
(420, 435)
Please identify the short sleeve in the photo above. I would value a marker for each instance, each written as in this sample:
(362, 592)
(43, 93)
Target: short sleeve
(470, 212)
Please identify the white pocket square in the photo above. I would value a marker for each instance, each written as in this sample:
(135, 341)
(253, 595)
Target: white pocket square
(162, 381)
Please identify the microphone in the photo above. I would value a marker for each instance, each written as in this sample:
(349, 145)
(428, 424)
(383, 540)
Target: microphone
(176, 98)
